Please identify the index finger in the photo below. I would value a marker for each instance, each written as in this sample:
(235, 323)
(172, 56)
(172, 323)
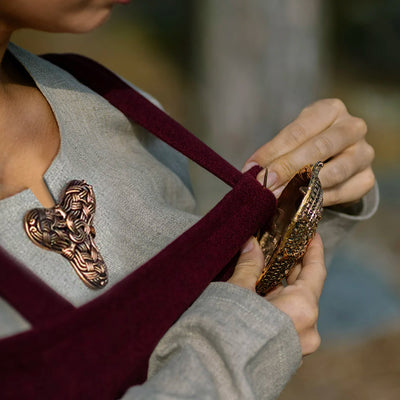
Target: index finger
(310, 122)
(313, 273)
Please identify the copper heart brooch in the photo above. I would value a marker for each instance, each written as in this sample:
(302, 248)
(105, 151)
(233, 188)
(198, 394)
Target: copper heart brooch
(67, 229)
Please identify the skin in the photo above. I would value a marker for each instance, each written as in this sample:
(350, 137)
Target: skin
(29, 135)
(324, 131)
(299, 299)
(73, 16)
(30, 139)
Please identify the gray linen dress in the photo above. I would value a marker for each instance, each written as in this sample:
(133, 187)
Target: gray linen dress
(231, 344)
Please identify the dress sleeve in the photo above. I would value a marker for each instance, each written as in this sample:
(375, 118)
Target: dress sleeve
(336, 223)
(231, 344)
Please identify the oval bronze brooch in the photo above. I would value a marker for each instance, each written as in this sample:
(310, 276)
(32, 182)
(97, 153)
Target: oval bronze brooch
(299, 209)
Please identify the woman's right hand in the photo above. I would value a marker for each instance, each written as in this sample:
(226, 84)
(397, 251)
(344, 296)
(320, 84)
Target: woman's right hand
(299, 299)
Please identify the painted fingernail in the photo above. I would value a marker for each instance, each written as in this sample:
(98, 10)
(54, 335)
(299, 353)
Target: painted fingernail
(248, 246)
(249, 166)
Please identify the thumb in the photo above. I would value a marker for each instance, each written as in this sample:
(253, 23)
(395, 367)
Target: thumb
(249, 265)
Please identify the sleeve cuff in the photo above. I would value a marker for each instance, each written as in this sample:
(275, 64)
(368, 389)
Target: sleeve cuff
(249, 347)
(369, 206)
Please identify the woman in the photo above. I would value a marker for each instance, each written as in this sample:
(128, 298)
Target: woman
(231, 343)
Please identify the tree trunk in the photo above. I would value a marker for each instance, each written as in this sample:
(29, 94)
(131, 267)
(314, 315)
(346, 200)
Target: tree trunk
(259, 66)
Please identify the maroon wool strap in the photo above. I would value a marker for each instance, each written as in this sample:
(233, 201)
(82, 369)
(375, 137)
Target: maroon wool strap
(103, 347)
(144, 113)
(27, 293)
(140, 110)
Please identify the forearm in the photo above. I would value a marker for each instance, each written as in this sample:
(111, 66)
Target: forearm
(231, 344)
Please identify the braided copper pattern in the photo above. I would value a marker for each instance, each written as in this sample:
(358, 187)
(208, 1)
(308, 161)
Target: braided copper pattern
(284, 244)
(67, 228)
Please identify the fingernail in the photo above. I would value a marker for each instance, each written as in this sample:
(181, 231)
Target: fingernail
(248, 246)
(249, 166)
(272, 178)
(277, 192)
(260, 176)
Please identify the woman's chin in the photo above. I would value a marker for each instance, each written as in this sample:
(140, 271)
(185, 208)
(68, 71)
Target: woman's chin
(83, 24)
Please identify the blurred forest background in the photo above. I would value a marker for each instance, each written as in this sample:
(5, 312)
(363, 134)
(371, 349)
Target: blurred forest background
(235, 72)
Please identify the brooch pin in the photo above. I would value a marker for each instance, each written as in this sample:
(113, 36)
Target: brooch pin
(67, 228)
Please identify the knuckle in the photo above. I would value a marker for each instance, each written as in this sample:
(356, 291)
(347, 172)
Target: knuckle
(297, 132)
(284, 168)
(310, 315)
(337, 105)
(248, 270)
(305, 312)
(305, 110)
(242, 278)
(370, 179)
(310, 107)
(369, 152)
(358, 126)
(264, 154)
(337, 173)
(324, 273)
(323, 146)
(245, 266)
(314, 341)
(332, 197)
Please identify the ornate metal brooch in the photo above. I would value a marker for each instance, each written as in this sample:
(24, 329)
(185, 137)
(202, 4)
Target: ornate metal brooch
(299, 209)
(67, 228)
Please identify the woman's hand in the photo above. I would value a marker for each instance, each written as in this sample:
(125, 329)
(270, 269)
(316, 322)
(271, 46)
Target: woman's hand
(300, 298)
(324, 131)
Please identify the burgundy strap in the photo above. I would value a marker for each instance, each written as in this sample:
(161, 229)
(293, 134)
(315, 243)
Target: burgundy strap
(144, 113)
(103, 347)
(28, 294)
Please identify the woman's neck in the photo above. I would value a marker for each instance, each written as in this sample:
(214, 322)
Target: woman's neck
(29, 135)
(4, 40)
(5, 36)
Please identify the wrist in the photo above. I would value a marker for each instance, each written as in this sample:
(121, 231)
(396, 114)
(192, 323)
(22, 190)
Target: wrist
(352, 208)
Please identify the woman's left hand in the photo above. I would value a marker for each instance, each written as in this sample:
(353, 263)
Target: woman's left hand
(324, 131)
(300, 298)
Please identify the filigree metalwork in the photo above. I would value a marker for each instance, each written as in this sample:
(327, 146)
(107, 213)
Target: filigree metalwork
(299, 209)
(67, 228)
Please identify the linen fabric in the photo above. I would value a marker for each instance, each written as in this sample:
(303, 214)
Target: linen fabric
(229, 338)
